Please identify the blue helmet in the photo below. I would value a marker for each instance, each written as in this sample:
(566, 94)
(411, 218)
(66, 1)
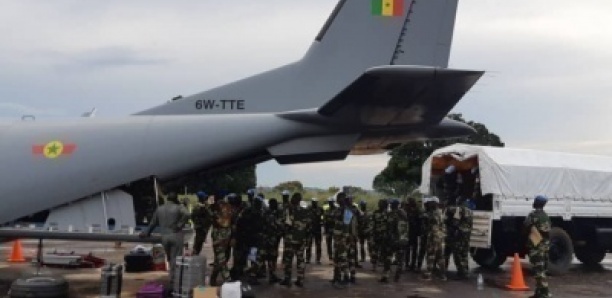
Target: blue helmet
(251, 192)
(201, 194)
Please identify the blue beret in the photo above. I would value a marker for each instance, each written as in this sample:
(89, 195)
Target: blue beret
(541, 198)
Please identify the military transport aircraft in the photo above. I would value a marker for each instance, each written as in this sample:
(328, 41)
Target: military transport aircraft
(375, 76)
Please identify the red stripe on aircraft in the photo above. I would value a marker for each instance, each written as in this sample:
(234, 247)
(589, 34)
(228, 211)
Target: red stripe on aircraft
(69, 148)
(38, 149)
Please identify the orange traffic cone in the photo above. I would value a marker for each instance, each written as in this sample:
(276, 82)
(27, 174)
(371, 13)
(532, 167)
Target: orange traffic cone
(16, 253)
(517, 282)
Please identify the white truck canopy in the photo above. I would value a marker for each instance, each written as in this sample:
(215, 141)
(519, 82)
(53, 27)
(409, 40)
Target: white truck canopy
(522, 173)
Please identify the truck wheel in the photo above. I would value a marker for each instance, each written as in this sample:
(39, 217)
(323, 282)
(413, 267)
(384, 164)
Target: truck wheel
(561, 252)
(488, 258)
(590, 256)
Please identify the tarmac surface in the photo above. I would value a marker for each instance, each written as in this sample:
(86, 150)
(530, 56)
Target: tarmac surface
(579, 282)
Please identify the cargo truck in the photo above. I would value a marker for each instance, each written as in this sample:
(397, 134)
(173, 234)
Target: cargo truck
(501, 184)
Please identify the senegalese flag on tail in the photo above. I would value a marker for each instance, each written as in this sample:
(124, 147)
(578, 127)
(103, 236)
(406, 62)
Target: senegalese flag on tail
(53, 149)
(388, 8)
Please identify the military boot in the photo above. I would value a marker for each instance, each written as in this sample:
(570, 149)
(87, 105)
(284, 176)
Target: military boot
(273, 279)
(396, 278)
(352, 278)
(299, 283)
(286, 282)
(213, 278)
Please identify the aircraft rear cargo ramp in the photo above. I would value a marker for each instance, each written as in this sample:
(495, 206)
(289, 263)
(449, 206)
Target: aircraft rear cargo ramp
(579, 188)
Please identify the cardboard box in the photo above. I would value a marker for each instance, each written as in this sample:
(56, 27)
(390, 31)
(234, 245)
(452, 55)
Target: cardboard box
(205, 292)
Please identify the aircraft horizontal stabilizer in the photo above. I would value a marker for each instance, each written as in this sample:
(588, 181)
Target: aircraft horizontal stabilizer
(401, 95)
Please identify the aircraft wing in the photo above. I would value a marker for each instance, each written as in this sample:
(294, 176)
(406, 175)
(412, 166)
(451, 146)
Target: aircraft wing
(401, 95)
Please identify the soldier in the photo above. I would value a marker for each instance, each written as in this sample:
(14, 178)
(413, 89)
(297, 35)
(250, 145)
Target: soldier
(415, 230)
(297, 229)
(171, 217)
(364, 231)
(537, 226)
(317, 218)
(273, 229)
(459, 223)
(396, 240)
(378, 228)
(248, 232)
(221, 213)
(328, 225)
(435, 231)
(346, 220)
(201, 222)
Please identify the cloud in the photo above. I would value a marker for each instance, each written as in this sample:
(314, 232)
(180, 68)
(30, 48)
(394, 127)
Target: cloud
(107, 57)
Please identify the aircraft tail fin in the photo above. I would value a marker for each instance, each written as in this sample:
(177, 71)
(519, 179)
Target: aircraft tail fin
(359, 35)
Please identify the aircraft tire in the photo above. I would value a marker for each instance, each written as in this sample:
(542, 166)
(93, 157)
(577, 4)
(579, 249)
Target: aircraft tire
(39, 286)
(561, 252)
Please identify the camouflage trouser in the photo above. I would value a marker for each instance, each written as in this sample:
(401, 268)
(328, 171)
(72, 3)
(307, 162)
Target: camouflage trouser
(344, 254)
(459, 247)
(221, 242)
(200, 238)
(269, 254)
(393, 249)
(362, 250)
(422, 251)
(375, 245)
(291, 249)
(370, 247)
(317, 241)
(412, 250)
(538, 256)
(435, 255)
(240, 254)
(329, 238)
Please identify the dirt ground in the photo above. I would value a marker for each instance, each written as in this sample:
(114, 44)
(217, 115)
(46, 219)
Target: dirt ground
(579, 282)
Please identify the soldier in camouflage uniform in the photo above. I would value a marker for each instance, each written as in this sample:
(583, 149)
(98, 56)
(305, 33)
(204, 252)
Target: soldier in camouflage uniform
(221, 213)
(396, 239)
(435, 231)
(537, 226)
(317, 218)
(201, 222)
(297, 227)
(328, 226)
(346, 220)
(363, 229)
(378, 228)
(459, 230)
(273, 229)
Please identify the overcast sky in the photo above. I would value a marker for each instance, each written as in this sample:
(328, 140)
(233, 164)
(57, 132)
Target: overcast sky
(548, 63)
